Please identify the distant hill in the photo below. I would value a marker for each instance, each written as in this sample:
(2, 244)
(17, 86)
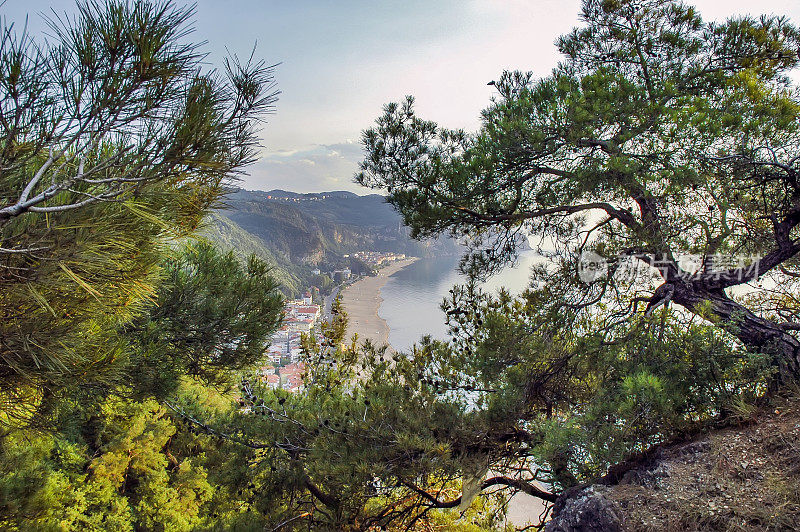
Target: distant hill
(229, 236)
(296, 233)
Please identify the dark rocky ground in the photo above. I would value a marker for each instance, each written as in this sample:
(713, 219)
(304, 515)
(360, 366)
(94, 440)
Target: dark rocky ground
(740, 478)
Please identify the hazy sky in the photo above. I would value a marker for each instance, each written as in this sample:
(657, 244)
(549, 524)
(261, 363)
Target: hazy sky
(341, 60)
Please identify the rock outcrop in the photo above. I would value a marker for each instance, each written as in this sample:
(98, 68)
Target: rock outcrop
(744, 477)
(585, 510)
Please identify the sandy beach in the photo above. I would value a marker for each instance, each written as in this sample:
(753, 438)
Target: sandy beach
(362, 300)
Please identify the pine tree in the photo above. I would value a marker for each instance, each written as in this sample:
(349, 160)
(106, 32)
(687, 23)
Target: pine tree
(212, 318)
(658, 135)
(113, 143)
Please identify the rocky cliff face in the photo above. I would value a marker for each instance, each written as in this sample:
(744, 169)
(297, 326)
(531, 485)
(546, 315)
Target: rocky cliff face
(737, 478)
(587, 510)
(315, 229)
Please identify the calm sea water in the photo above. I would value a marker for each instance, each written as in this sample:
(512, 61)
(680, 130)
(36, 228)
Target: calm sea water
(411, 297)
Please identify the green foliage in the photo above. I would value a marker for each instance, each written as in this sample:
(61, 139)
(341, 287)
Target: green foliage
(114, 146)
(212, 317)
(363, 447)
(590, 389)
(127, 464)
(323, 282)
(120, 476)
(646, 141)
(228, 236)
(113, 142)
(657, 136)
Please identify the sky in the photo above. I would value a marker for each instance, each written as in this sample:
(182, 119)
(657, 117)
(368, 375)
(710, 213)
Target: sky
(340, 61)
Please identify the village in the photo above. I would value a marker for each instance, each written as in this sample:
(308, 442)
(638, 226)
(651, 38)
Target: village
(284, 367)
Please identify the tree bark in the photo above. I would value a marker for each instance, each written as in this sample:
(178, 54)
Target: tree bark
(756, 333)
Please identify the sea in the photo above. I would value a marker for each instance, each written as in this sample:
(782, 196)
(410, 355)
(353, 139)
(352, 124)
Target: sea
(412, 296)
(411, 299)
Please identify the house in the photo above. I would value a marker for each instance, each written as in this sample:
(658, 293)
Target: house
(308, 311)
(342, 275)
(300, 324)
(294, 384)
(292, 376)
(266, 370)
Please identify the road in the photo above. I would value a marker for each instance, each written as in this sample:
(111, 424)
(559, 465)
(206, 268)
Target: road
(326, 310)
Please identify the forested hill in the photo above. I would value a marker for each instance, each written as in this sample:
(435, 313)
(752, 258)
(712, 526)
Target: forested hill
(297, 233)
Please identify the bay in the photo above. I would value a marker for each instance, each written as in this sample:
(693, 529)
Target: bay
(410, 306)
(411, 297)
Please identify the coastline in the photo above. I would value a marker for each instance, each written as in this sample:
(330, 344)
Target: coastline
(362, 299)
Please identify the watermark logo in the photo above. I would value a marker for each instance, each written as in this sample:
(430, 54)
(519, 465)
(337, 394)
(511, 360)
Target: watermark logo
(690, 263)
(592, 267)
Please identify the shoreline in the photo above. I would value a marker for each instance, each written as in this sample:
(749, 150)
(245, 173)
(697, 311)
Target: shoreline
(362, 300)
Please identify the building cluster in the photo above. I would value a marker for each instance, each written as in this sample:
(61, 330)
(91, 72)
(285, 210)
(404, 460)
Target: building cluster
(338, 276)
(376, 259)
(288, 377)
(285, 369)
(298, 198)
(291, 376)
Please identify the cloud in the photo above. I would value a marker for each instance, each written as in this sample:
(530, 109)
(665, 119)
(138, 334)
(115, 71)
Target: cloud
(318, 168)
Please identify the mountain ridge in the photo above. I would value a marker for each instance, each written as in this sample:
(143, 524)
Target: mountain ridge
(298, 233)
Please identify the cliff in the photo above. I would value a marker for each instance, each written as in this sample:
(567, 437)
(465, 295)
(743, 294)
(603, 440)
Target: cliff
(297, 233)
(744, 477)
(319, 229)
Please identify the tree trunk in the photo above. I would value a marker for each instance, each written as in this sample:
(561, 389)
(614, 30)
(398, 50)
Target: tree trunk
(756, 333)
